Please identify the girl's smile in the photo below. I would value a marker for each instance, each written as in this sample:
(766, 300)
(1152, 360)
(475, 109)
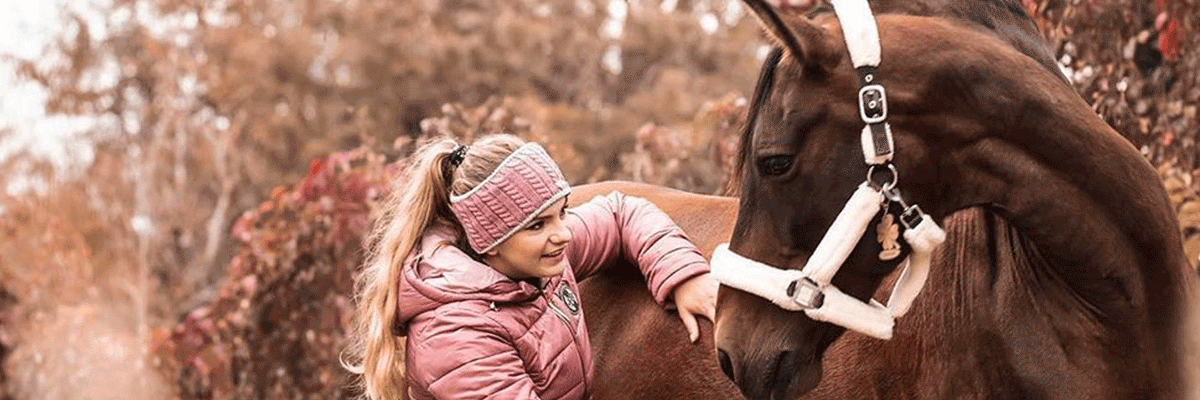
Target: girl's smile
(538, 250)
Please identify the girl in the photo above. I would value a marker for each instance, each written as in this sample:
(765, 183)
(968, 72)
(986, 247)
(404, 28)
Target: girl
(476, 262)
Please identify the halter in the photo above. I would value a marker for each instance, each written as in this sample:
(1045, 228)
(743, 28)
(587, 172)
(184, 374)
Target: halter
(809, 289)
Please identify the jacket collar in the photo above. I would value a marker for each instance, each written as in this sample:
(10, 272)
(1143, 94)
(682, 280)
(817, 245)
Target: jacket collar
(438, 273)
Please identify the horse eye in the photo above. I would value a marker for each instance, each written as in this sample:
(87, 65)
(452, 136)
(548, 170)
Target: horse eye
(774, 165)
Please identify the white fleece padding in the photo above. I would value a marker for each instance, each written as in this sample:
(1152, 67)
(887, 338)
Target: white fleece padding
(872, 319)
(908, 286)
(858, 26)
(868, 146)
(923, 238)
(762, 280)
(843, 235)
(840, 309)
(733, 270)
(926, 236)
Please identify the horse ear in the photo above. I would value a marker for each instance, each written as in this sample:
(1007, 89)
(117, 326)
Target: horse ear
(809, 44)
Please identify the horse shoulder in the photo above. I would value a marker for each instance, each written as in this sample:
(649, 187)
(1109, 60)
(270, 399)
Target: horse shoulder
(640, 349)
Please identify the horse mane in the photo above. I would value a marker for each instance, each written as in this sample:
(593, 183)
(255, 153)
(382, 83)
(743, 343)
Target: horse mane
(963, 311)
(766, 79)
(1006, 19)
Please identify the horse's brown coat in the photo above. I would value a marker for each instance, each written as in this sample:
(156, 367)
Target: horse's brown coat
(1063, 279)
(640, 349)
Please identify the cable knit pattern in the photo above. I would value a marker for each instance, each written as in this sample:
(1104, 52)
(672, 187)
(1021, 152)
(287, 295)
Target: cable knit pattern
(524, 184)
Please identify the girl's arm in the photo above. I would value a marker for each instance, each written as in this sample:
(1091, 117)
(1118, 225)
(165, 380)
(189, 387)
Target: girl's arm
(617, 225)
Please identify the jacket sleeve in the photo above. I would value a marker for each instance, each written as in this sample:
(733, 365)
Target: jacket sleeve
(463, 355)
(617, 225)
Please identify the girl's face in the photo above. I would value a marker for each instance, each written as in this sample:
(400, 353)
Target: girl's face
(537, 250)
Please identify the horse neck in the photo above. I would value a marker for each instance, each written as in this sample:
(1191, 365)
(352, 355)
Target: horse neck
(995, 306)
(1006, 19)
(993, 310)
(1090, 210)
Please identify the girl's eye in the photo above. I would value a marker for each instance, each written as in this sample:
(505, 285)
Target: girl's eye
(535, 226)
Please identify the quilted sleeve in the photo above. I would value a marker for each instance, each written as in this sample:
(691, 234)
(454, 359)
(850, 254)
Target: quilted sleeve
(616, 225)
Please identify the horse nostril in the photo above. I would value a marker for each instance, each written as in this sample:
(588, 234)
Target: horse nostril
(782, 372)
(726, 363)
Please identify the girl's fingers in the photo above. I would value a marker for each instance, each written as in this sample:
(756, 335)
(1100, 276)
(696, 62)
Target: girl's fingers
(696, 297)
(689, 321)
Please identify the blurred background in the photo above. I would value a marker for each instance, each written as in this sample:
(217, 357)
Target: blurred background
(184, 184)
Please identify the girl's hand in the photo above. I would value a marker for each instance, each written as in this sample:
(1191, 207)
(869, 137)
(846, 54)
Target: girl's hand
(696, 296)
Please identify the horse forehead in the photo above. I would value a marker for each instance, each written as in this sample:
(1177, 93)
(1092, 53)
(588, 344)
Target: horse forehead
(770, 136)
(792, 91)
(794, 105)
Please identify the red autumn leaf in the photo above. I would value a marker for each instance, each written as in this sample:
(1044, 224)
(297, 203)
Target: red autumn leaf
(1168, 39)
(314, 184)
(1031, 6)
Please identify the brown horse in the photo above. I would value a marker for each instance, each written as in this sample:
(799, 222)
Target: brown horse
(1066, 280)
(640, 350)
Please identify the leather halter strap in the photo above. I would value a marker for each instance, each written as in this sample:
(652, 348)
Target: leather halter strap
(810, 289)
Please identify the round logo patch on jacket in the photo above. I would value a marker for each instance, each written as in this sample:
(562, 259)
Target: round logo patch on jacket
(568, 298)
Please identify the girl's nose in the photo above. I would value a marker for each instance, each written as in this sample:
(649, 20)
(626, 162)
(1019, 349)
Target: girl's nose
(563, 235)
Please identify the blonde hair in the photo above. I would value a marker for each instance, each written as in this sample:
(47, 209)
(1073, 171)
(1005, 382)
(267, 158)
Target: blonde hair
(420, 199)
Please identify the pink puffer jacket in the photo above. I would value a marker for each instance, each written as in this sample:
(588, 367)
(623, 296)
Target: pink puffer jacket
(473, 333)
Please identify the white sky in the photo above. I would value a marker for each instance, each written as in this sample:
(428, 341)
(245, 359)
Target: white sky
(26, 27)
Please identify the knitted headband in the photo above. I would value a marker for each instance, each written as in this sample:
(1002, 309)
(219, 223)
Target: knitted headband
(524, 185)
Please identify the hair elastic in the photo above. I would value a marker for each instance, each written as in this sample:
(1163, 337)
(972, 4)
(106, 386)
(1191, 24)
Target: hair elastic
(458, 154)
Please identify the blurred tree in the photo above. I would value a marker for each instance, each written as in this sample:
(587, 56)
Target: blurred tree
(208, 105)
(202, 107)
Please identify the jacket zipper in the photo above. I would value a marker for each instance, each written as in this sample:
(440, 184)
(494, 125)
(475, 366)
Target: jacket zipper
(574, 341)
(561, 315)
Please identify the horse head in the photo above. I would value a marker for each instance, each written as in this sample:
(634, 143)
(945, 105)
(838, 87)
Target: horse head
(968, 117)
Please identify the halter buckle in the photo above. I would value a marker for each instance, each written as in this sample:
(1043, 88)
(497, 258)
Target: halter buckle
(806, 293)
(911, 216)
(872, 104)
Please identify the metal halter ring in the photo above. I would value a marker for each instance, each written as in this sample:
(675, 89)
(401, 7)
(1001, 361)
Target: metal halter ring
(886, 186)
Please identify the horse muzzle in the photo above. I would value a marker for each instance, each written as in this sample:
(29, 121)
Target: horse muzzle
(770, 360)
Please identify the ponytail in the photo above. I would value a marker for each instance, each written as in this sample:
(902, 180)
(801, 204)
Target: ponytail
(419, 200)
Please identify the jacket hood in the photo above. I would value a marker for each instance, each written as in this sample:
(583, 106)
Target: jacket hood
(438, 273)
